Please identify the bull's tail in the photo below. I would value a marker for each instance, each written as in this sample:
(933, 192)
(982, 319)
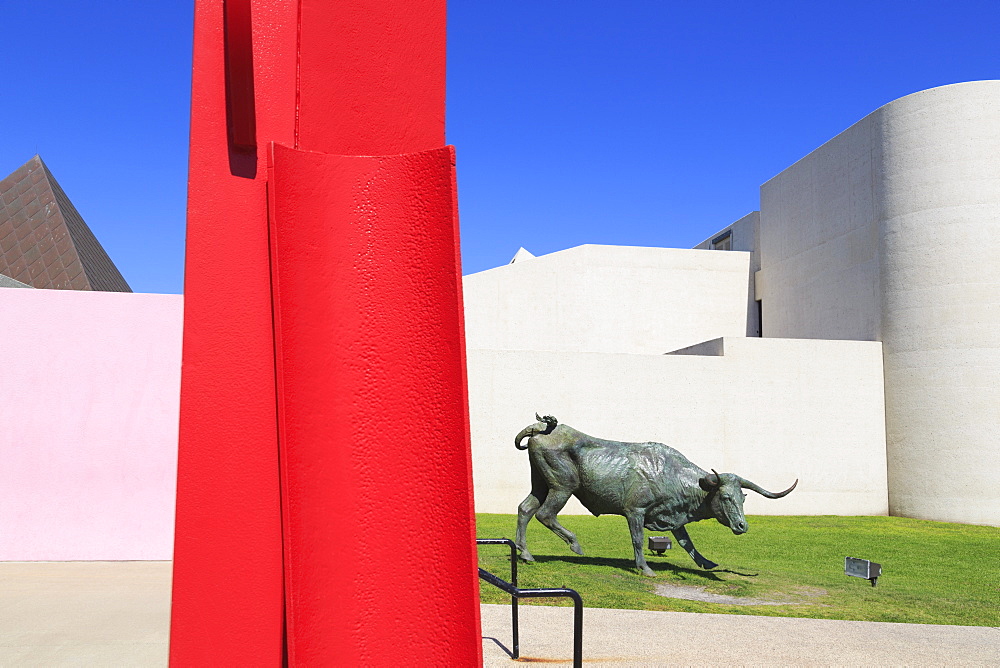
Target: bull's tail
(544, 425)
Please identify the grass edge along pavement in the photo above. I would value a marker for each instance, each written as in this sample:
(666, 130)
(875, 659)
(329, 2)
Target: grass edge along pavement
(932, 572)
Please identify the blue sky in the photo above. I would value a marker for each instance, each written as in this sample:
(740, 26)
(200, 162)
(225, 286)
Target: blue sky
(638, 123)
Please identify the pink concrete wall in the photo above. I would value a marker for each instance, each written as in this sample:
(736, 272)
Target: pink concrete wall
(89, 388)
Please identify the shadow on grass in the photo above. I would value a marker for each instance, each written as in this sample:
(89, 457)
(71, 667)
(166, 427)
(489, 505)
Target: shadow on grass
(628, 566)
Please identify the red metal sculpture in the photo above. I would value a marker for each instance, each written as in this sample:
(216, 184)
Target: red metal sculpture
(323, 329)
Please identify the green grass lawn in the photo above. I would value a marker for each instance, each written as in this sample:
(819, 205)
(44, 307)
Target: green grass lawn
(932, 572)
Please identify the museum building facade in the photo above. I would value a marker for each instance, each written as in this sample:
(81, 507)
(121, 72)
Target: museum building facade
(845, 335)
(859, 310)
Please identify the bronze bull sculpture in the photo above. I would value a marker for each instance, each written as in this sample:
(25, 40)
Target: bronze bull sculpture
(650, 484)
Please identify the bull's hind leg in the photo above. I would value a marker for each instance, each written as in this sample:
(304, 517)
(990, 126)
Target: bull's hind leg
(553, 503)
(635, 524)
(527, 510)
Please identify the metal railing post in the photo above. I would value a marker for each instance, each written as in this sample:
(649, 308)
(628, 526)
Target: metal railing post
(515, 623)
(517, 593)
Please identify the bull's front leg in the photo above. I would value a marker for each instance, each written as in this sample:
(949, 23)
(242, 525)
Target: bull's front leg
(684, 541)
(636, 519)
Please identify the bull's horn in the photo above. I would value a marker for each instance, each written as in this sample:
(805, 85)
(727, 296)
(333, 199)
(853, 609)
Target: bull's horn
(746, 484)
(708, 484)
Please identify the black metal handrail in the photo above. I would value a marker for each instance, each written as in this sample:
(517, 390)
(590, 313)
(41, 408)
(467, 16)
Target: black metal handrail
(516, 593)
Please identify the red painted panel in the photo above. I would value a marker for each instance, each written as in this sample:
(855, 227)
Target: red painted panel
(371, 76)
(373, 410)
(227, 590)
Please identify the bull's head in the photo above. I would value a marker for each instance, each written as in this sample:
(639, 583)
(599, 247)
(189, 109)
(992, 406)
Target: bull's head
(725, 497)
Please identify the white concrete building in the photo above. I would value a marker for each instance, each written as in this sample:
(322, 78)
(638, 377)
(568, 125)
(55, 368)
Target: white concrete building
(849, 337)
(872, 271)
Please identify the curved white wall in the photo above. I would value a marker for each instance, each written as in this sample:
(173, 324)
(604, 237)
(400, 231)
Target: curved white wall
(939, 251)
(891, 231)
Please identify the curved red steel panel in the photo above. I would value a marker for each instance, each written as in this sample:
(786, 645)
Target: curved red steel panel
(374, 439)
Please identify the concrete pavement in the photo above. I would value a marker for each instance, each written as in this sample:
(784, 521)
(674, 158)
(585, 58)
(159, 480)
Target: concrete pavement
(84, 613)
(640, 638)
(118, 614)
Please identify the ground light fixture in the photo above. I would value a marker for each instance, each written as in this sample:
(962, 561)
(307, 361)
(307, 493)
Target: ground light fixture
(659, 544)
(862, 568)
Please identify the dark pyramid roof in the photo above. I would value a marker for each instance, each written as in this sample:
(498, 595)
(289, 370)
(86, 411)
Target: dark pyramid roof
(43, 239)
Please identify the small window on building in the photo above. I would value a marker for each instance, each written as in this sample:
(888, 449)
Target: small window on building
(724, 241)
